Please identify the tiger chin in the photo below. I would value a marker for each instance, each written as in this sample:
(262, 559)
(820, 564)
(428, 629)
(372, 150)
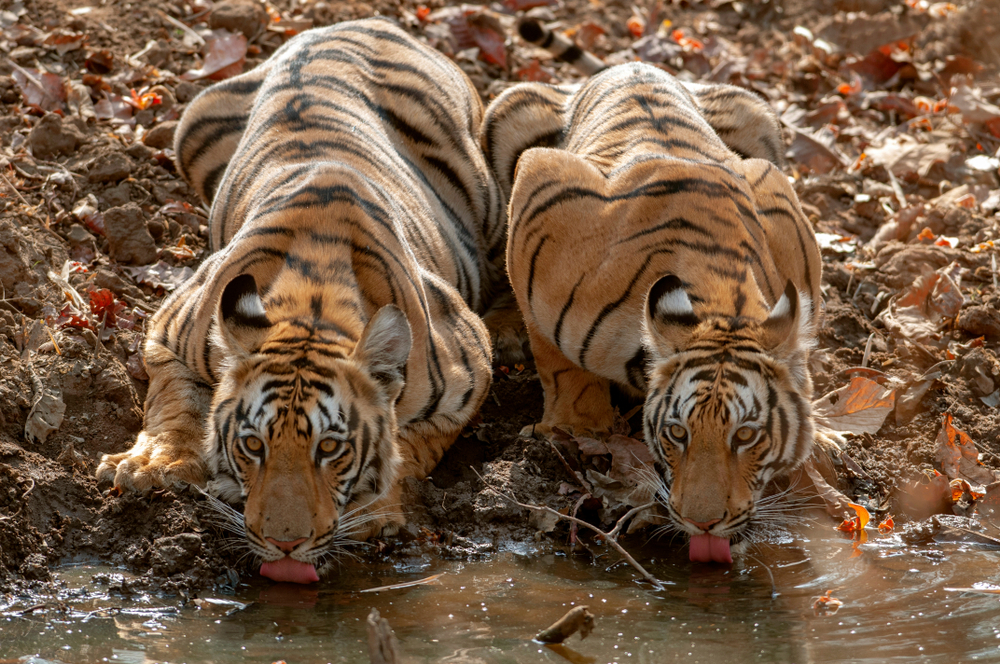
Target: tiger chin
(332, 344)
(655, 244)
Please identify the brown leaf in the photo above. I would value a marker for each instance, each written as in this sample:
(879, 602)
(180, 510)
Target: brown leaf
(40, 88)
(807, 150)
(489, 36)
(958, 456)
(225, 54)
(858, 407)
(919, 312)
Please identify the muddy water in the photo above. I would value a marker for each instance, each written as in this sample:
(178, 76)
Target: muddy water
(896, 609)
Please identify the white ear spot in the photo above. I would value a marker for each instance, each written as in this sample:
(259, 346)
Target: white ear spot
(781, 309)
(250, 306)
(674, 303)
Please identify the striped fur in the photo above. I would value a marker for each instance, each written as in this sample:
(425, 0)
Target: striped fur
(331, 344)
(644, 251)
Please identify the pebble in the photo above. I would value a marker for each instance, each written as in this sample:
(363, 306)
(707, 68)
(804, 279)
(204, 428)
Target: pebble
(110, 167)
(235, 16)
(50, 137)
(980, 321)
(129, 240)
(161, 136)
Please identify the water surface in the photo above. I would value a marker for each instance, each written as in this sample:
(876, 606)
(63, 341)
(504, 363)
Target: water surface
(896, 609)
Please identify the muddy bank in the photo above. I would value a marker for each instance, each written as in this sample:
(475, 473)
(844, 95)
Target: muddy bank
(893, 140)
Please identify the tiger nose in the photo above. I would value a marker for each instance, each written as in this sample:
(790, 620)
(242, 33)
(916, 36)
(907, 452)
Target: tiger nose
(287, 547)
(704, 525)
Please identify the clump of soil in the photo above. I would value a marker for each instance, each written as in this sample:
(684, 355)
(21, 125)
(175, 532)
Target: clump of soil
(893, 139)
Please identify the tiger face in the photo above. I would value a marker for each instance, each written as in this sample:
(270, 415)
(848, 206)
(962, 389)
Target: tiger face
(727, 410)
(304, 432)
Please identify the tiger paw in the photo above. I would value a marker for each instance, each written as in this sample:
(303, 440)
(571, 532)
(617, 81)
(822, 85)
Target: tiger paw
(542, 431)
(830, 441)
(154, 462)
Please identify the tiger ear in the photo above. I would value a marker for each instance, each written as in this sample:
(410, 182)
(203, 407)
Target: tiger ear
(781, 329)
(670, 317)
(243, 323)
(384, 347)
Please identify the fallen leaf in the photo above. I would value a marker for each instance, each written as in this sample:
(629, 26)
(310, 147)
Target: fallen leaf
(826, 604)
(489, 36)
(922, 310)
(40, 89)
(909, 159)
(533, 72)
(886, 526)
(958, 456)
(160, 275)
(859, 407)
(808, 151)
(972, 106)
(225, 53)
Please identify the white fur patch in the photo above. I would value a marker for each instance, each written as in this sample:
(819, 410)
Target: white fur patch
(250, 306)
(674, 303)
(781, 308)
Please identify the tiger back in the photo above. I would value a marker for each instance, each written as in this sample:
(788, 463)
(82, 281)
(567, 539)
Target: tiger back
(644, 251)
(330, 345)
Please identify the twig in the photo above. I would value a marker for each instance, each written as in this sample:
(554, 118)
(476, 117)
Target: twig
(868, 351)
(577, 619)
(659, 585)
(774, 588)
(405, 584)
(896, 189)
(383, 648)
(180, 26)
(614, 532)
(578, 476)
(14, 189)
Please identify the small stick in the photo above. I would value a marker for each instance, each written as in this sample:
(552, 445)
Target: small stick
(180, 26)
(614, 532)
(383, 648)
(577, 619)
(659, 585)
(868, 351)
(14, 189)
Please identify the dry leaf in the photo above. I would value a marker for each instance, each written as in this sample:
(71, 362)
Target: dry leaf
(858, 407)
(160, 275)
(225, 54)
(919, 312)
(40, 88)
(958, 456)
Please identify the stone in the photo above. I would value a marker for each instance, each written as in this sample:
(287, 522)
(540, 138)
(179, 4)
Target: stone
(117, 196)
(129, 240)
(139, 152)
(186, 91)
(110, 167)
(50, 137)
(236, 16)
(161, 136)
(980, 321)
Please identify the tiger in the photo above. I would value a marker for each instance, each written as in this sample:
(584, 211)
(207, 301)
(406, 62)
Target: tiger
(331, 344)
(654, 245)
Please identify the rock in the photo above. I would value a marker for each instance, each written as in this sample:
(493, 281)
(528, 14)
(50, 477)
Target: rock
(980, 321)
(50, 137)
(175, 554)
(82, 245)
(110, 167)
(35, 568)
(117, 196)
(236, 16)
(139, 152)
(130, 241)
(161, 136)
(186, 91)
(46, 416)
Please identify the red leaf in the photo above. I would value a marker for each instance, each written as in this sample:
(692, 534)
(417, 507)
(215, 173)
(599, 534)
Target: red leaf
(225, 54)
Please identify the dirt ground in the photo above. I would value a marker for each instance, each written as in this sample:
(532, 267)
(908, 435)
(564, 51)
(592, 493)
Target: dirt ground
(891, 119)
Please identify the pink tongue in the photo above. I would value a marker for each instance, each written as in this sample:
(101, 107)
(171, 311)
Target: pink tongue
(290, 570)
(710, 549)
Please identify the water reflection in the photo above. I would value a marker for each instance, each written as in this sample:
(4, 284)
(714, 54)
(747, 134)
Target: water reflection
(895, 608)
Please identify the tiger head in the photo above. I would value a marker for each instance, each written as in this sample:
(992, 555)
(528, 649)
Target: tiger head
(727, 409)
(302, 427)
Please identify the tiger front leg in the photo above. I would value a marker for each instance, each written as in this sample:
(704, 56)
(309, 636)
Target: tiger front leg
(168, 450)
(576, 400)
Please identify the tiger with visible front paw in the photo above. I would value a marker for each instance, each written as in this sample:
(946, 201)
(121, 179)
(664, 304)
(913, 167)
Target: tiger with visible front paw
(648, 251)
(330, 346)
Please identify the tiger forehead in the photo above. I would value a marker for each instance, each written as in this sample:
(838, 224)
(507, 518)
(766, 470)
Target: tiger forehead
(309, 405)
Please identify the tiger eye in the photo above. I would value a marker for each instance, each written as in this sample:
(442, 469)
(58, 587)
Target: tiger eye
(678, 432)
(328, 445)
(253, 443)
(744, 434)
